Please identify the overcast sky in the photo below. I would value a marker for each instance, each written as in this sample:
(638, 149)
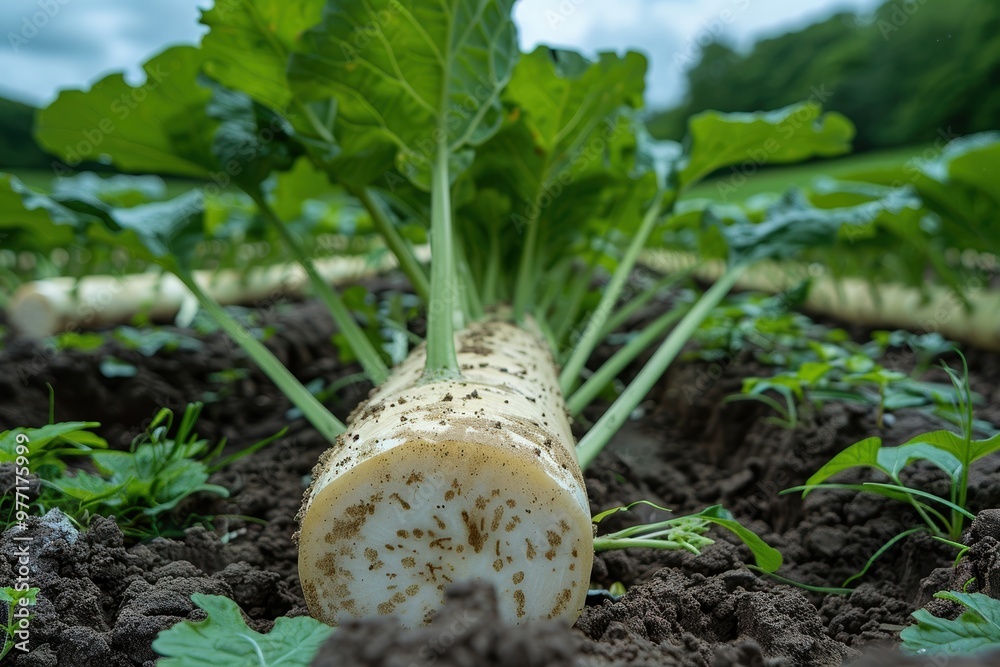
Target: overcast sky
(78, 41)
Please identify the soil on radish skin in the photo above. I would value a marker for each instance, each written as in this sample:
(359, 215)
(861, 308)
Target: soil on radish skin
(104, 597)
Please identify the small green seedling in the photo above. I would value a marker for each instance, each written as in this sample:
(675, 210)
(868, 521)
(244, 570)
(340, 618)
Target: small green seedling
(75, 340)
(149, 341)
(976, 631)
(224, 640)
(840, 370)
(141, 486)
(48, 448)
(686, 532)
(952, 453)
(756, 323)
(16, 602)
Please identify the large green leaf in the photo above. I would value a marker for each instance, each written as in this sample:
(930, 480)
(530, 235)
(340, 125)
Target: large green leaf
(252, 141)
(166, 231)
(794, 133)
(551, 164)
(975, 631)
(159, 126)
(116, 190)
(32, 220)
(224, 640)
(249, 42)
(794, 225)
(294, 188)
(169, 230)
(410, 75)
(568, 100)
(972, 160)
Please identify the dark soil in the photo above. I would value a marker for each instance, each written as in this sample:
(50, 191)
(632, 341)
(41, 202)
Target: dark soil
(104, 598)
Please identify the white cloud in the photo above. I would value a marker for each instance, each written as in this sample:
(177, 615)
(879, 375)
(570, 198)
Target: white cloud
(670, 32)
(75, 42)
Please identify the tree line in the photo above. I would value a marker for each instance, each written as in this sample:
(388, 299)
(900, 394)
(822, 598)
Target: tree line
(909, 73)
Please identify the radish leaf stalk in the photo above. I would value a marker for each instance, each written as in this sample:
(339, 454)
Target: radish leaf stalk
(601, 433)
(362, 347)
(321, 418)
(592, 335)
(399, 246)
(442, 364)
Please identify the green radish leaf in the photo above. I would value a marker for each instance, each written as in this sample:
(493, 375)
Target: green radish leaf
(170, 230)
(562, 162)
(117, 190)
(794, 133)
(410, 76)
(977, 630)
(251, 142)
(767, 557)
(34, 220)
(863, 453)
(224, 640)
(249, 42)
(564, 106)
(794, 224)
(159, 126)
(969, 160)
(568, 100)
(294, 188)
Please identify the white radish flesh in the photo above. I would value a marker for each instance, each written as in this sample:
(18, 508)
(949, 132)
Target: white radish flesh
(45, 307)
(454, 480)
(933, 308)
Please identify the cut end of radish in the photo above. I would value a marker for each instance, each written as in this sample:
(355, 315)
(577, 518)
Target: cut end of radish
(396, 530)
(37, 309)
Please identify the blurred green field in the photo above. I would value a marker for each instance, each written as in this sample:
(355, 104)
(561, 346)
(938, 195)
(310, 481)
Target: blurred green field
(41, 179)
(878, 166)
